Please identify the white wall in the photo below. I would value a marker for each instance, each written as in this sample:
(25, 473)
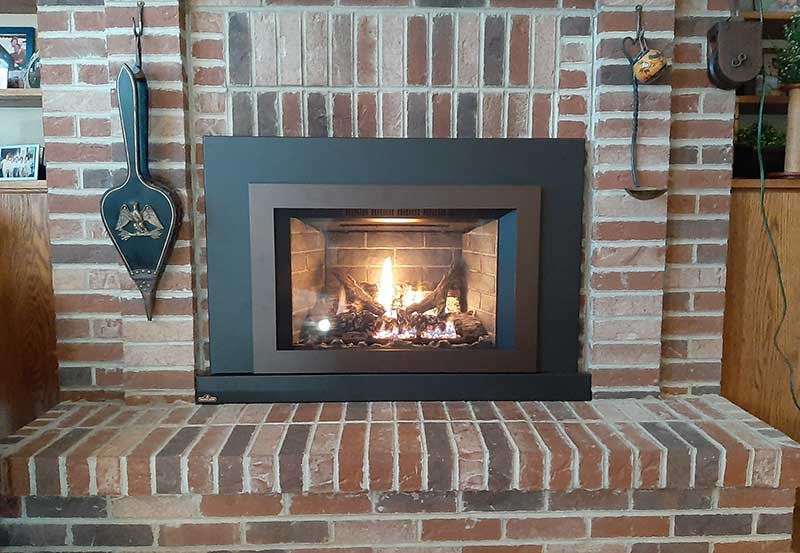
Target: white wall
(20, 125)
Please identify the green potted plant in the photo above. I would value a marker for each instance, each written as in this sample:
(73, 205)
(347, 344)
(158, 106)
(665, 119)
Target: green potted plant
(788, 64)
(745, 158)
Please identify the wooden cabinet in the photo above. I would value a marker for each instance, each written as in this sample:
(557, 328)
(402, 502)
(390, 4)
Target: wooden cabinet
(753, 374)
(28, 366)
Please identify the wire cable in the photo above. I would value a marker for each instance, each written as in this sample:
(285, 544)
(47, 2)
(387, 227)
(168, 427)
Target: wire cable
(765, 224)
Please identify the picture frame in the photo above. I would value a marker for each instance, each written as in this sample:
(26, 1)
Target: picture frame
(17, 45)
(779, 5)
(20, 162)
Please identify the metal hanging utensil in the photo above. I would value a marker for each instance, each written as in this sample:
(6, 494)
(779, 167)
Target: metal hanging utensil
(141, 215)
(647, 65)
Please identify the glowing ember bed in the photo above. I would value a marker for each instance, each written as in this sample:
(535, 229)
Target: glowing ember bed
(424, 281)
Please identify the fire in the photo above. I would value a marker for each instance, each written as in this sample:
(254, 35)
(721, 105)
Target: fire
(386, 287)
(413, 296)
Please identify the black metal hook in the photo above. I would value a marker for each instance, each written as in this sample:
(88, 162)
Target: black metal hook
(138, 31)
(640, 28)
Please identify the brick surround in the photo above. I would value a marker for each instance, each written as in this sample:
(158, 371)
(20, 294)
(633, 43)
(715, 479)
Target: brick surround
(654, 273)
(622, 476)
(632, 474)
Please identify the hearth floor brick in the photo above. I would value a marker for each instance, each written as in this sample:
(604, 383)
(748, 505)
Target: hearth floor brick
(610, 476)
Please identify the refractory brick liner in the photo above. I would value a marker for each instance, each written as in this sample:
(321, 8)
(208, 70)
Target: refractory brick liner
(654, 271)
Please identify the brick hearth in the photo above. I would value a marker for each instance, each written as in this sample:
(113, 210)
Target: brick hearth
(626, 476)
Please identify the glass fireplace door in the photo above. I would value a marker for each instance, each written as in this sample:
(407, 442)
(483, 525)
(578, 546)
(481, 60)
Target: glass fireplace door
(388, 279)
(396, 278)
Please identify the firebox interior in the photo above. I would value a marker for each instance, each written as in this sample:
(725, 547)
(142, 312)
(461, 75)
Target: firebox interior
(415, 279)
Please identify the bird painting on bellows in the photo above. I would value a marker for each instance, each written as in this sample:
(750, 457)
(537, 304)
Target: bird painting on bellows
(140, 220)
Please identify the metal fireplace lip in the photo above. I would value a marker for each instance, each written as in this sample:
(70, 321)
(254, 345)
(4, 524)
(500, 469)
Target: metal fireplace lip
(233, 164)
(518, 277)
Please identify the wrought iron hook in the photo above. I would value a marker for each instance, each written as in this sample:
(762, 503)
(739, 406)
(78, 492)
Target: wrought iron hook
(138, 31)
(640, 28)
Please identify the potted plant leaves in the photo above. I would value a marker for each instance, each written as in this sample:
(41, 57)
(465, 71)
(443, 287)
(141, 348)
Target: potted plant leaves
(745, 158)
(788, 64)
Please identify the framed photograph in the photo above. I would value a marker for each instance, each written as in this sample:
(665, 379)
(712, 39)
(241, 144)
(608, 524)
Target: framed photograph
(16, 50)
(19, 162)
(780, 5)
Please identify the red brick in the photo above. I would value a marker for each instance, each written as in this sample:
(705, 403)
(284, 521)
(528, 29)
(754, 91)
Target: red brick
(208, 49)
(625, 526)
(330, 504)
(160, 16)
(198, 534)
(91, 127)
(366, 41)
(701, 129)
(351, 453)
(417, 40)
(519, 55)
(775, 546)
(547, 528)
(748, 498)
(90, 21)
(460, 529)
(560, 477)
(58, 126)
(367, 122)
(590, 456)
(167, 507)
(570, 78)
(53, 21)
(409, 457)
(368, 532)
(470, 455)
(242, 505)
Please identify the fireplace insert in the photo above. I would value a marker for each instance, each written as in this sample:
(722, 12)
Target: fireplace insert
(355, 270)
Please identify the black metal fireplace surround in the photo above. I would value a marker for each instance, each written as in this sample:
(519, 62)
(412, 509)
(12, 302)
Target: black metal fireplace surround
(393, 269)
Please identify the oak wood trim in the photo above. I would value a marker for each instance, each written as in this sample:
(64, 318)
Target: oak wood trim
(23, 186)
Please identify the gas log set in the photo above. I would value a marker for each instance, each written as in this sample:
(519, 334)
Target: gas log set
(395, 315)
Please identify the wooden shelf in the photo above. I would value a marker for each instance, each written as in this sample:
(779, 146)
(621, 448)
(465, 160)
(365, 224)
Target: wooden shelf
(17, 6)
(773, 103)
(775, 184)
(22, 186)
(21, 97)
(769, 16)
(768, 99)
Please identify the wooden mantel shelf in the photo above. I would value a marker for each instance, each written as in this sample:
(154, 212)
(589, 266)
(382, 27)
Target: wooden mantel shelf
(22, 186)
(21, 97)
(775, 184)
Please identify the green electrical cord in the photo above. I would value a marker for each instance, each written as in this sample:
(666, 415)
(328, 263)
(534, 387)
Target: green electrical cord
(770, 239)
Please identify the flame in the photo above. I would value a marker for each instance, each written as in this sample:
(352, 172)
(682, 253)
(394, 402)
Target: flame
(341, 306)
(386, 287)
(448, 332)
(414, 296)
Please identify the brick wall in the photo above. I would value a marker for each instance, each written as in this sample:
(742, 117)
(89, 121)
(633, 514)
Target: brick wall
(480, 258)
(307, 247)
(697, 231)
(417, 257)
(654, 271)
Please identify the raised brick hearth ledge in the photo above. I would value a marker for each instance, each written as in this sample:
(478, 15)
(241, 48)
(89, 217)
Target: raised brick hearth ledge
(611, 476)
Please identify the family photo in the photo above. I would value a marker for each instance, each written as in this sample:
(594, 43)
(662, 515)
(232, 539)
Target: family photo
(19, 162)
(16, 49)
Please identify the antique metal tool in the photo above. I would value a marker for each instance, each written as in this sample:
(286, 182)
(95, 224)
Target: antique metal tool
(140, 215)
(646, 66)
(734, 50)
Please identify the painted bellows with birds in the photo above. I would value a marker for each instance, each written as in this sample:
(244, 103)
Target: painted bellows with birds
(140, 215)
